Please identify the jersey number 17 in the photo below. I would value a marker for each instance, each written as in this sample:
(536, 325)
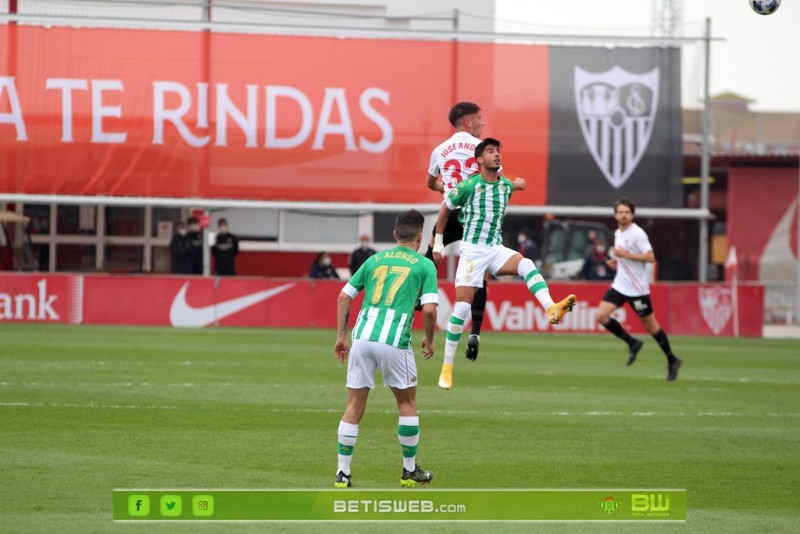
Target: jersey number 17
(380, 275)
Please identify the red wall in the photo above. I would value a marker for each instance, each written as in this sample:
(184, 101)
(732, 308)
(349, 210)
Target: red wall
(762, 222)
(281, 263)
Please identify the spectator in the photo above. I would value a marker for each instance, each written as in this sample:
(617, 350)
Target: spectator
(322, 267)
(594, 265)
(360, 255)
(195, 238)
(225, 250)
(591, 240)
(179, 248)
(527, 247)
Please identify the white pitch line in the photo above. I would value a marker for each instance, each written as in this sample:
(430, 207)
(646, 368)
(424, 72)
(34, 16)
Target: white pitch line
(151, 384)
(434, 411)
(113, 384)
(392, 412)
(98, 406)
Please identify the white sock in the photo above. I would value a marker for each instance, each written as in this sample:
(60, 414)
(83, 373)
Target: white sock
(408, 434)
(535, 282)
(455, 327)
(348, 434)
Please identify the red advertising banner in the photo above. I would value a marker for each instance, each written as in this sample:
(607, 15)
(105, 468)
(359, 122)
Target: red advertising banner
(197, 302)
(511, 308)
(41, 299)
(156, 113)
(125, 300)
(716, 305)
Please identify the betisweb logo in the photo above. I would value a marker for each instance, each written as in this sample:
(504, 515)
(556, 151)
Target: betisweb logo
(716, 304)
(616, 110)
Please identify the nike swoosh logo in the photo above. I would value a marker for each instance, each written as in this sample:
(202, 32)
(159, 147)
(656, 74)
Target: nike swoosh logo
(182, 314)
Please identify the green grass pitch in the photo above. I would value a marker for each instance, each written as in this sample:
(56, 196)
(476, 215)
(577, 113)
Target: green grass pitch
(86, 409)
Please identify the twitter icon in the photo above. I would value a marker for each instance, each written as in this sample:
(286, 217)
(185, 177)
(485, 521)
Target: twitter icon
(170, 505)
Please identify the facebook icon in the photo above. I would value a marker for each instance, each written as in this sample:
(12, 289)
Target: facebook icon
(138, 505)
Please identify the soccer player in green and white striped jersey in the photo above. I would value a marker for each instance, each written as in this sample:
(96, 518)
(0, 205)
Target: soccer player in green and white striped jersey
(451, 162)
(392, 280)
(483, 199)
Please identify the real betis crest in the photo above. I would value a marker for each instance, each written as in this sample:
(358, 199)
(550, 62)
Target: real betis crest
(609, 504)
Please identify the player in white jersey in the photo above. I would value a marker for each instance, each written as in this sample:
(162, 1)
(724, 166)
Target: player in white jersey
(483, 199)
(392, 281)
(454, 159)
(632, 253)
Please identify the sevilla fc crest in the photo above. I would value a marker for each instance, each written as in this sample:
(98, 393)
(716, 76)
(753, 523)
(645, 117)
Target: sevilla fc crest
(716, 304)
(616, 110)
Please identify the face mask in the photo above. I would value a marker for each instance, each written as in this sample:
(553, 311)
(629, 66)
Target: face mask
(364, 244)
(521, 239)
(223, 229)
(600, 248)
(326, 262)
(194, 228)
(182, 231)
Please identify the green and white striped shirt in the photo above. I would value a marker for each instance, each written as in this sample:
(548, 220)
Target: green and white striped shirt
(392, 281)
(483, 207)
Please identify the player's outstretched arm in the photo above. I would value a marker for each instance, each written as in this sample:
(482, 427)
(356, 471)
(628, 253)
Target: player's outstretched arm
(520, 184)
(342, 347)
(429, 321)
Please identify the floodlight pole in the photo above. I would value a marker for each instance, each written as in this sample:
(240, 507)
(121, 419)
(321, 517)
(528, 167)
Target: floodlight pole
(453, 252)
(702, 268)
(11, 62)
(205, 76)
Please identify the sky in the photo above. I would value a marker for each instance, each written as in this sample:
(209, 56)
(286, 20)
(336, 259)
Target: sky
(757, 59)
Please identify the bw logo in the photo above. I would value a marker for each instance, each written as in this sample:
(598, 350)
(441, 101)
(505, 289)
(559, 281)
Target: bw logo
(616, 111)
(653, 502)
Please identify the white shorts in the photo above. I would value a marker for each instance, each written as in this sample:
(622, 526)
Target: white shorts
(475, 260)
(398, 367)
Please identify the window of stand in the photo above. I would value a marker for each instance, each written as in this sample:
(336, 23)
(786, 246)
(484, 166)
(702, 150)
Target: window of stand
(135, 239)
